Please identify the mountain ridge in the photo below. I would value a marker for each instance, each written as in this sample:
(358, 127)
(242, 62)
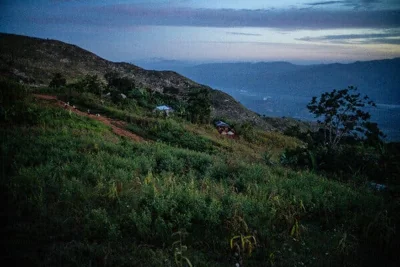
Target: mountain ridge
(33, 61)
(377, 78)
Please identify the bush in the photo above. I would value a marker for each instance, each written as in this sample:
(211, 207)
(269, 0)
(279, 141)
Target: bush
(122, 84)
(15, 104)
(171, 132)
(90, 84)
(365, 161)
(57, 81)
(246, 130)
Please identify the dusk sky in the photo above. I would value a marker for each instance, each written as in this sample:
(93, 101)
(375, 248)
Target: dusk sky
(299, 31)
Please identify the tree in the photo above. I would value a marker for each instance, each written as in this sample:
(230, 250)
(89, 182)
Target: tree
(57, 81)
(122, 84)
(91, 84)
(373, 134)
(199, 106)
(343, 114)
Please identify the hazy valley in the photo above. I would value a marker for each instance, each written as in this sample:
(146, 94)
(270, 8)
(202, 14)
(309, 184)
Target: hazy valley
(282, 89)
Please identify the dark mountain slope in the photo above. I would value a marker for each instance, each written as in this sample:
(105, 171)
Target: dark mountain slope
(34, 61)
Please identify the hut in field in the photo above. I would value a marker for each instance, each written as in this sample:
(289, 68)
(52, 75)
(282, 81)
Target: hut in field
(163, 109)
(225, 129)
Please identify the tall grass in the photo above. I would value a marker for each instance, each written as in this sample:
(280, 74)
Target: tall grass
(77, 195)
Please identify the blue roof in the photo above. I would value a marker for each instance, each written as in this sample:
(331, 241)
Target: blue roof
(221, 124)
(163, 107)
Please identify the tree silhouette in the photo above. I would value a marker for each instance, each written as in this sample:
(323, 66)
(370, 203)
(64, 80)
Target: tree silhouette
(342, 113)
(57, 81)
(199, 106)
(92, 84)
(122, 84)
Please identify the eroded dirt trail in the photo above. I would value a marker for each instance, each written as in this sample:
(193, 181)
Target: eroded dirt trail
(117, 126)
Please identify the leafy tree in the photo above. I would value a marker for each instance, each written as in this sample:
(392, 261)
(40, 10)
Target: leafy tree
(342, 114)
(181, 109)
(199, 106)
(57, 81)
(122, 84)
(91, 84)
(246, 129)
(373, 134)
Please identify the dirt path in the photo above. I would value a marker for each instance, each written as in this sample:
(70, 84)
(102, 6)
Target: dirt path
(117, 126)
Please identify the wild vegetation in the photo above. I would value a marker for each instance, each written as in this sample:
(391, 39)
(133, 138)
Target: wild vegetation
(75, 194)
(343, 115)
(347, 143)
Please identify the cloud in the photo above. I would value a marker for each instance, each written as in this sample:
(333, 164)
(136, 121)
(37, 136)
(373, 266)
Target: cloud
(325, 3)
(244, 33)
(383, 41)
(391, 37)
(352, 36)
(358, 4)
(125, 15)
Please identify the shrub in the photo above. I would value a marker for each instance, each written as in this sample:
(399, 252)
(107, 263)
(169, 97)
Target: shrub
(57, 81)
(90, 84)
(15, 104)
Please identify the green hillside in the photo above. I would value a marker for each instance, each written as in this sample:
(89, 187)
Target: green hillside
(75, 193)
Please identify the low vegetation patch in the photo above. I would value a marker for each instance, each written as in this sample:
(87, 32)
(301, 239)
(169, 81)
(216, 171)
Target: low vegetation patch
(74, 194)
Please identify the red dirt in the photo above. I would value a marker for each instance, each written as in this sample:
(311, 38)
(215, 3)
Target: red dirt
(45, 97)
(116, 125)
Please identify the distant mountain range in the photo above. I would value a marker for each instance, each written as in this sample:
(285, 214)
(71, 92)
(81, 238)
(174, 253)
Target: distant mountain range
(282, 89)
(380, 79)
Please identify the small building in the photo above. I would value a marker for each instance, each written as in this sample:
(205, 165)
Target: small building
(221, 125)
(163, 109)
(225, 129)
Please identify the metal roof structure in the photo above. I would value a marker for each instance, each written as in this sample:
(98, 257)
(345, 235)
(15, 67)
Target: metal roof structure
(221, 124)
(163, 107)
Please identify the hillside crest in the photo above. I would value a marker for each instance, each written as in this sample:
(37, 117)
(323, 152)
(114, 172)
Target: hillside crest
(34, 61)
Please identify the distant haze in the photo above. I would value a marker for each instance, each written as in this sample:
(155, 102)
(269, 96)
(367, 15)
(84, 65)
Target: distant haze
(284, 89)
(379, 79)
(207, 30)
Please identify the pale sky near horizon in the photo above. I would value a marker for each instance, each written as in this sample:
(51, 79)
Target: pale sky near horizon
(297, 31)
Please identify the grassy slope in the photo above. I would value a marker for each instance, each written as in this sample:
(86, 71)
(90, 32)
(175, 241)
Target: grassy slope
(78, 195)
